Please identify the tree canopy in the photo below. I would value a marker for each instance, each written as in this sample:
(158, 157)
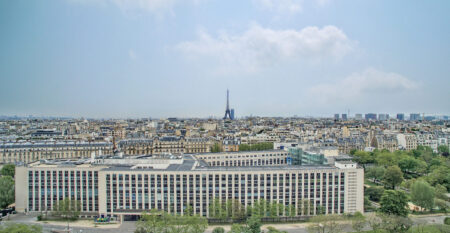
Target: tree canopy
(6, 191)
(394, 203)
(422, 194)
(8, 170)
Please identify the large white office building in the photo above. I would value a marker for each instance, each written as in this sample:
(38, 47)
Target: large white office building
(128, 186)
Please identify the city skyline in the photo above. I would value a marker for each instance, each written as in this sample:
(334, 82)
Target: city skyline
(135, 59)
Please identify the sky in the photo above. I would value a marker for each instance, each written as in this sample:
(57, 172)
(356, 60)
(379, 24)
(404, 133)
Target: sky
(177, 58)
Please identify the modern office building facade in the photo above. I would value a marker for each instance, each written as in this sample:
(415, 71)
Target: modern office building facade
(400, 116)
(127, 187)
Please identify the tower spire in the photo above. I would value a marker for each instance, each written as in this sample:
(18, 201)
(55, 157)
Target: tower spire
(227, 110)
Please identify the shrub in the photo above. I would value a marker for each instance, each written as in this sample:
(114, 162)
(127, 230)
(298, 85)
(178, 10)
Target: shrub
(447, 220)
(218, 230)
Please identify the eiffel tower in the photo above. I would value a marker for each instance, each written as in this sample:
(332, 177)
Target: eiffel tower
(227, 111)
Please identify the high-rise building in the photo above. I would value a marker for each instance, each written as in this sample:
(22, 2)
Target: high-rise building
(358, 116)
(400, 116)
(371, 116)
(336, 116)
(414, 117)
(232, 114)
(344, 116)
(383, 117)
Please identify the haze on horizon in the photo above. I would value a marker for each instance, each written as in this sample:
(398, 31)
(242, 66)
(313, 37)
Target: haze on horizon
(174, 58)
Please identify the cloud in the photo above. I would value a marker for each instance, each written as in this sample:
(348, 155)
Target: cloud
(371, 84)
(261, 47)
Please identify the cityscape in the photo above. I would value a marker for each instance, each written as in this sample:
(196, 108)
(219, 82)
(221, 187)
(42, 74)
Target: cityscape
(294, 117)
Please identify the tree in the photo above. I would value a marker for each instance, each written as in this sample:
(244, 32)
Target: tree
(374, 193)
(443, 150)
(8, 170)
(326, 224)
(394, 203)
(396, 224)
(358, 222)
(67, 209)
(237, 228)
(408, 164)
(218, 230)
(20, 228)
(362, 158)
(375, 173)
(6, 191)
(422, 194)
(160, 221)
(393, 176)
(441, 204)
(374, 222)
(254, 224)
(216, 148)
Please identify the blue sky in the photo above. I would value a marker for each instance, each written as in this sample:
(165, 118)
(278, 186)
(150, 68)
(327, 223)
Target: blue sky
(163, 58)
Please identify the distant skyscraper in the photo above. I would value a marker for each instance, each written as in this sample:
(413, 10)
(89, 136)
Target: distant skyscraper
(358, 116)
(232, 114)
(414, 116)
(344, 117)
(336, 116)
(371, 116)
(400, 116)
(383, 117)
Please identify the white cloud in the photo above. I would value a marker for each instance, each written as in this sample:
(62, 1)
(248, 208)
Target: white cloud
(370, 83)
(259, 47)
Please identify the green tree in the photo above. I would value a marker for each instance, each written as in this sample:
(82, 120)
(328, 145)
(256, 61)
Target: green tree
(408, 164)
(443, 150)
(20, 228)
(8, 170)
(216, 148)
(363, 158)
(254, 224)
(374, 193)
(375, 173)
(393, 176)
(218, 230)
(326, 224)
(422, 194)
(441, 176)
(67, 209)
(237, 228)
(394, 203)
(442, 205)
(6, 191)
(396, 224)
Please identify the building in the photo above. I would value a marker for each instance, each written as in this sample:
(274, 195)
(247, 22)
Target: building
(358, 116)
(383, 117)
(336, 116)
(124, 188)
(230, 144)
(232, 114)
(400, 116)
(414, 117)
(344, 117)
(371, 116)
(26, 152)
(298, 156)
